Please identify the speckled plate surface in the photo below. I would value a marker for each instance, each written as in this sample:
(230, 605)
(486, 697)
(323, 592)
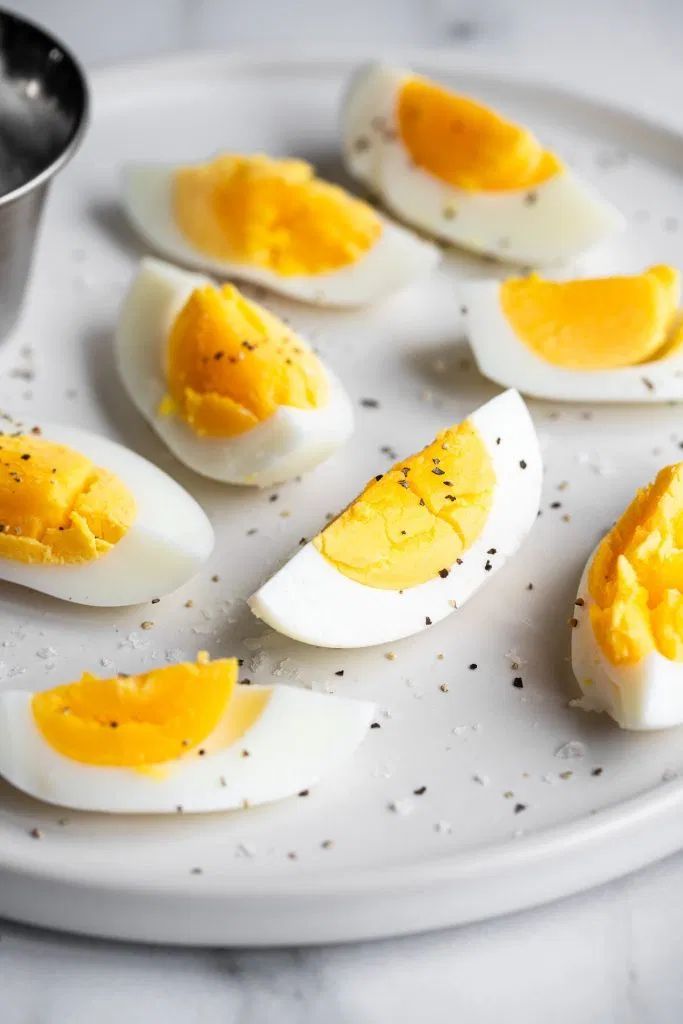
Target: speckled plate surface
(520, 798)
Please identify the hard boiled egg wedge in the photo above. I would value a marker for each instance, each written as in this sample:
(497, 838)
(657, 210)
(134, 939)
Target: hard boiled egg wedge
(86, 520)
(460, 171)
(610, 339)
(273, 223)
(232, 390)
(179, 738)
(418, 541)
(627, 641)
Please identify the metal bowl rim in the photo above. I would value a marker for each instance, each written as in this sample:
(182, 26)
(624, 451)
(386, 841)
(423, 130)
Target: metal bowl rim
(76, 136)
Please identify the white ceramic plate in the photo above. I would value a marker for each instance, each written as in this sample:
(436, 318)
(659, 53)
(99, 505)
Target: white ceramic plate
(500, 825)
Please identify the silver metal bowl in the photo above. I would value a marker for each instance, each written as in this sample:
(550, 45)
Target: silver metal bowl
(43, 113)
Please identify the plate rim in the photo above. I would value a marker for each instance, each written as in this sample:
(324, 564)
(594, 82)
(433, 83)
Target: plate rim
(104, 77)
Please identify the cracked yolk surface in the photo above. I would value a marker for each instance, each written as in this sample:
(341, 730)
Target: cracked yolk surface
(636, 577)
(414, 522)
(273, 214)
(56, 507)
(466, 144)
(596, 324)
(137, 720)
(230, 364)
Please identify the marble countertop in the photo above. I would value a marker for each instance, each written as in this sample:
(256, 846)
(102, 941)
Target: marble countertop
(610, 956)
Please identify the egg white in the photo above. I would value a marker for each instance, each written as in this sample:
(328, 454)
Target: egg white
(504, 358)
(169, 540)
(310, 600)
(645, 695)
(300, 737)
(563, 217)
(288, 443)
(395, 261)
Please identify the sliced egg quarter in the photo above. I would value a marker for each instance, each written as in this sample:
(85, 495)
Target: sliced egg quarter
(419, 541)
(611, 339)
(180, 738)
(231, 389)
(627, 640)
(86, 520)
(459, 171)
(273, 223)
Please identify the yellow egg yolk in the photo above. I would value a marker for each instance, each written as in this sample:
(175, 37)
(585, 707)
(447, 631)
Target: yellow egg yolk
(636, 576)
(230, 364)
(674, 339)
(56, 507)
(273, 214)
(466, 144)
(595, 324)
(416, 521)
(138, 720)
(247, 704)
